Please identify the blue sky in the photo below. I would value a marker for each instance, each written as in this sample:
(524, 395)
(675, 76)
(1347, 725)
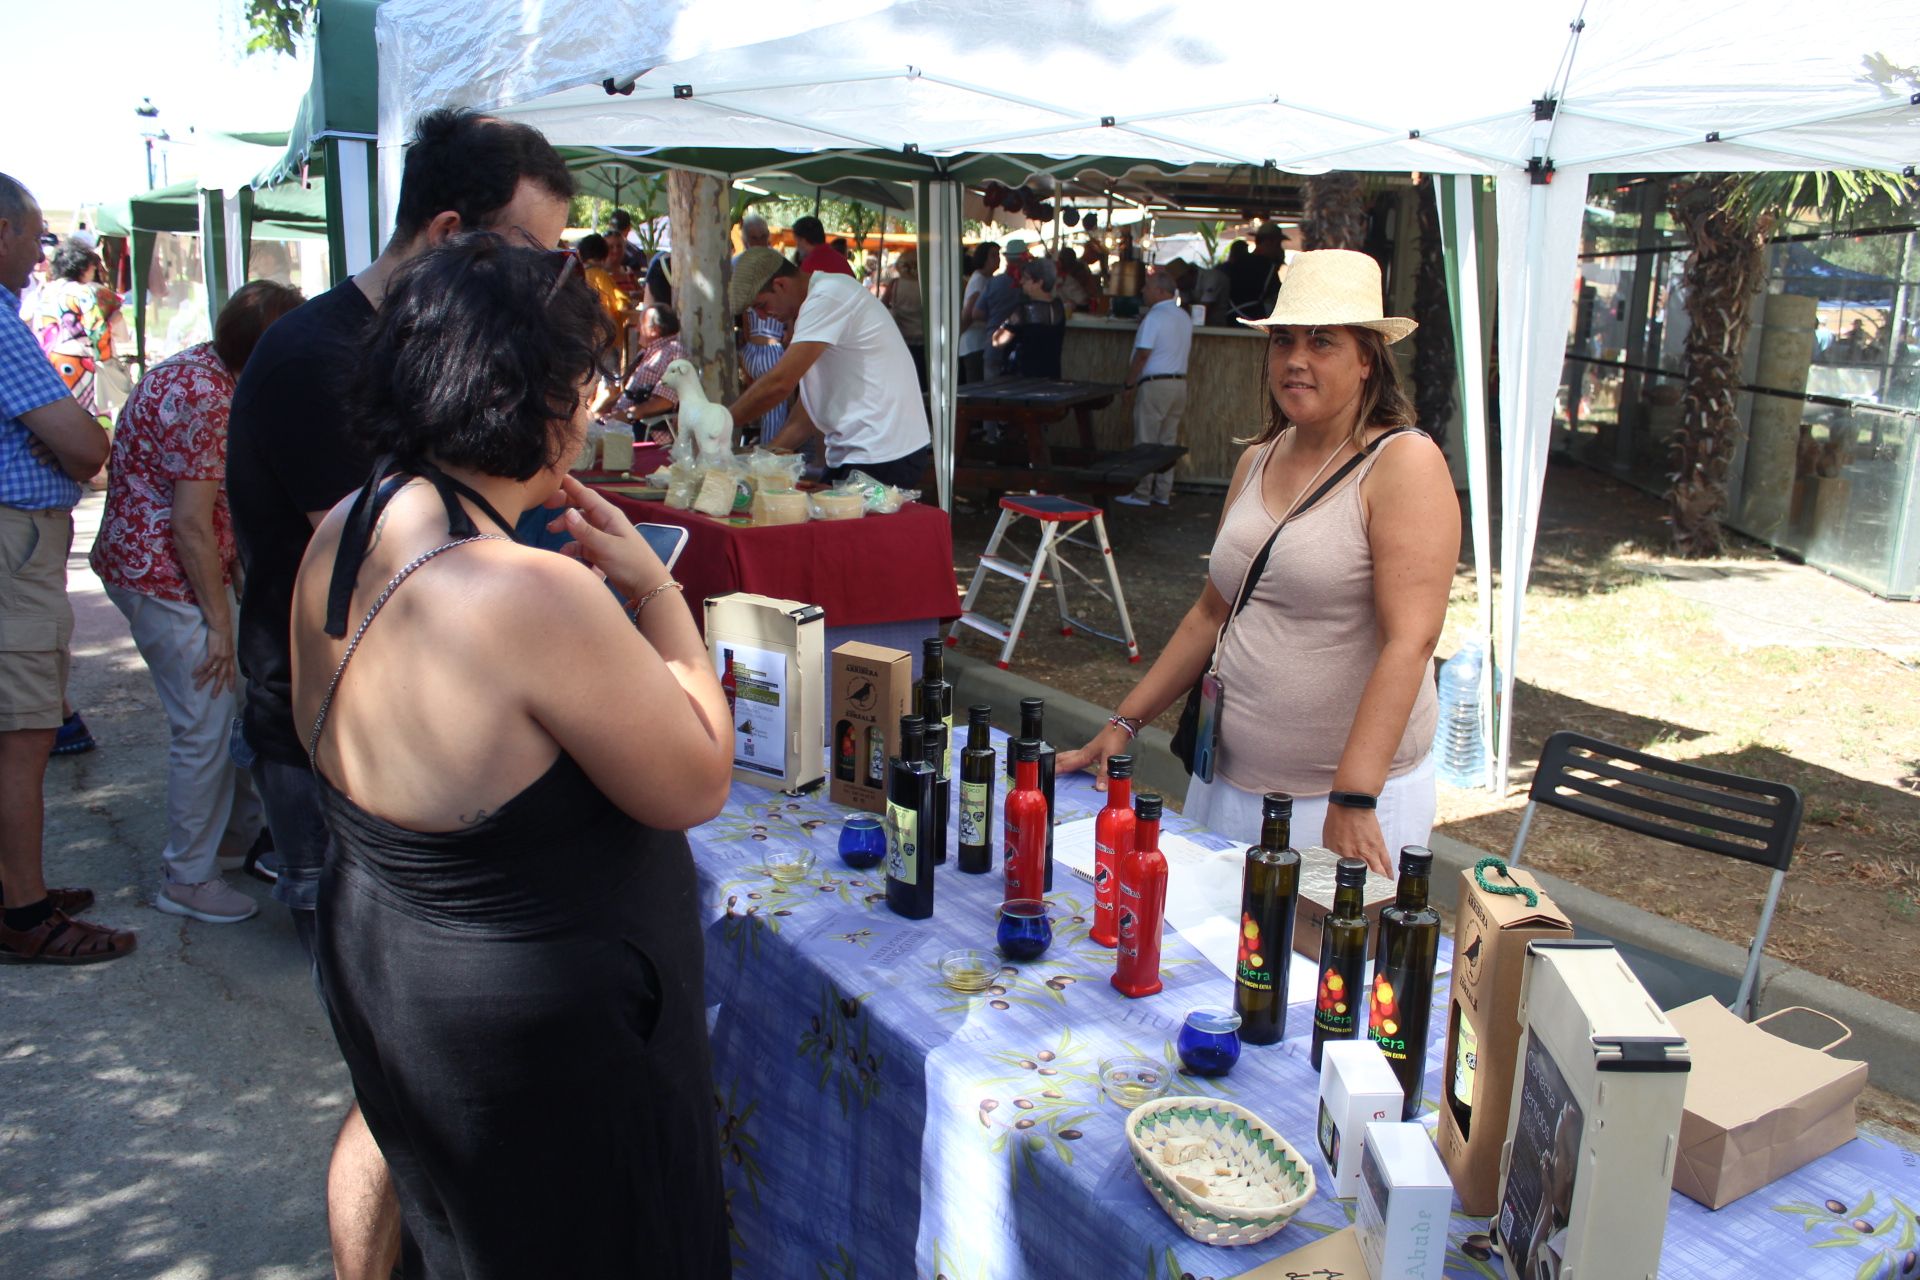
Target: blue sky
(71, 134)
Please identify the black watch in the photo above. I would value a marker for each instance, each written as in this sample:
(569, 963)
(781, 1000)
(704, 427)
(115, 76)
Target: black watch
(1353, 800)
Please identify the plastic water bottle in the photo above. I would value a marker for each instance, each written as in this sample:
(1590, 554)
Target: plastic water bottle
(1459, 753)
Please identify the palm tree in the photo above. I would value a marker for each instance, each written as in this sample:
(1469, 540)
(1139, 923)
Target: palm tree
(1725, 219)
(1336, 212)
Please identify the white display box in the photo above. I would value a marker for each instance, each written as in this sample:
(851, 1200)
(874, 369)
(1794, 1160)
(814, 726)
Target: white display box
(1594, 1125)
(1406, 1200)
(769, 657)
(1357, 1087)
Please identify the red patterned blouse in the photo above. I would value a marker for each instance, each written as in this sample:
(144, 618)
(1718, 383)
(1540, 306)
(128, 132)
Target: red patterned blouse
(174, 427)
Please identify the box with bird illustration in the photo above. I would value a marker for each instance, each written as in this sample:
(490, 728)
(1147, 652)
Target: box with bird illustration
(1501, 911)
(872, 689)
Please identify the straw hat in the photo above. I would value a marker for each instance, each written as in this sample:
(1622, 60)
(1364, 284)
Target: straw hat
(753, 270)
(1334, 286)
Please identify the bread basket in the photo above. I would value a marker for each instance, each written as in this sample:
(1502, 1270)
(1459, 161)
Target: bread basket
(1180, 1143)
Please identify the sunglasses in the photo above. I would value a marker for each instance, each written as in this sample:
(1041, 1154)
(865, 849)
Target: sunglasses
(563, 261)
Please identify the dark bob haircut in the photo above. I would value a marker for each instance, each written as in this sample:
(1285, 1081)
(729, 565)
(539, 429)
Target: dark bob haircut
(472, 164)
(477, 359)
(592, 247)
(246, 316)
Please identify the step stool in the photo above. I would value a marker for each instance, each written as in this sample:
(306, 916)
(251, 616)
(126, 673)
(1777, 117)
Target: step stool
(1060, 519)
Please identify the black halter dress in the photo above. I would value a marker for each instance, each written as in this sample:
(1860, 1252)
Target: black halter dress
(520, 1005)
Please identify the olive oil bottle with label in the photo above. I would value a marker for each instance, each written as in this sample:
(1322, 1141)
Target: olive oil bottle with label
(1400, 1001)
(1269, 892)
(976, 793)
(910, 824)
(1343, 959)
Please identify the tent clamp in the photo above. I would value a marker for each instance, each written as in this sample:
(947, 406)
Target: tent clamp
(1106, 122)
(910, 149)
(1543, 108)
(683, 91)
(1413, 133)
(1909, 172)
(1914, 100)
(1539, 171)
(1714, 136)
(621, 88)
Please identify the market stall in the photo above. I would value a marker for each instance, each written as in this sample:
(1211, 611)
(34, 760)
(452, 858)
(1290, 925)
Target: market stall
(875, 1122)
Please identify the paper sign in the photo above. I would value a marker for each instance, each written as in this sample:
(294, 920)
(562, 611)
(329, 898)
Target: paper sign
(759, 709)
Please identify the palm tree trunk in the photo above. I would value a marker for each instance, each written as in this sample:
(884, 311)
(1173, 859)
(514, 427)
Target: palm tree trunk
(1726, 266)
(1433, 362)
(1336, 213)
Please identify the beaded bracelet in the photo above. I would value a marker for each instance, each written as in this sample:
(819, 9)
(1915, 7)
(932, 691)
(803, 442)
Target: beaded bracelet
(1130, 724)
(635, 606)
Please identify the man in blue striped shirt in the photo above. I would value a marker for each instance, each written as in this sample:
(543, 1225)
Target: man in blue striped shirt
(48, 446)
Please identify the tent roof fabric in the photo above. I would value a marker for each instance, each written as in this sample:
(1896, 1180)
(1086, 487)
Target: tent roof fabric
(342, 98)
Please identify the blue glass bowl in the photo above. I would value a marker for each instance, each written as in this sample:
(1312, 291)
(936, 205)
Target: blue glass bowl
(1209, 1041)
(863, 841)
(1026, 930)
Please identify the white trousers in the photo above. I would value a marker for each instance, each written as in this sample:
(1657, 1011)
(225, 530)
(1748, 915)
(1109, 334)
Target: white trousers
(207, 797)
(1406, 811)
(1158, 407)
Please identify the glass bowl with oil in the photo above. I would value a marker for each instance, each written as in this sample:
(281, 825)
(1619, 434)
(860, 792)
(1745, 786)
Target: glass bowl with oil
(969, 971)
(1128, 1082)
(789, 865)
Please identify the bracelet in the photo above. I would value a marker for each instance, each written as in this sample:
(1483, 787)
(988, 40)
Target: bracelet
(635, 606)
(1131, 724)
(1353, 799)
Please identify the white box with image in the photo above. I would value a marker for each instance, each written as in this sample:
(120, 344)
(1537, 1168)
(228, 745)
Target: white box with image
(1357, 1087)
(1406, 1200)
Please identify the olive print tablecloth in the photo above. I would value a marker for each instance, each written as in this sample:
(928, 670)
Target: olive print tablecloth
(876, 1125)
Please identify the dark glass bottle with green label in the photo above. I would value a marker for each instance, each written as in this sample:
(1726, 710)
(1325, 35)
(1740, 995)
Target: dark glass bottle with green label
(1343, 959)
(932, 695)
(976, 793)
(910, 824)
(1400, 1001)
(1269, 891)
(936, 735)
(1032, 714)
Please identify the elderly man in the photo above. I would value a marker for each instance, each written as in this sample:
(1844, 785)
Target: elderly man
(755, 233)
(856, 380)
(1157, 379)
(49, 446)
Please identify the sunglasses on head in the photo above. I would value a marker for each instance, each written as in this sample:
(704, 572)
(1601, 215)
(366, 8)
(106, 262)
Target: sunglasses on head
(563, 262)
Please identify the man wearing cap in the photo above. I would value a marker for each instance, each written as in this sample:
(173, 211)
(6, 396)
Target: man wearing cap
(1157, 380)
(857, 384)
(1001, 298)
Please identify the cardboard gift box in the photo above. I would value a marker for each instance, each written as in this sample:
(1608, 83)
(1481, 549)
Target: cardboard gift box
(1405, 1204)
(872, 688)
(769, 654)
(1483, 1025)
(1314, 903)
(1758, 1107)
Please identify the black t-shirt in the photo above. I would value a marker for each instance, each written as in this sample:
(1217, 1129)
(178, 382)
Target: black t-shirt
(288, 453)
(1039, 330)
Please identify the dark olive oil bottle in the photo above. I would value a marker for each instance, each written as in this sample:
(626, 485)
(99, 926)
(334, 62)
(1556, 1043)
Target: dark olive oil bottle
(1269, 891)
(1400, 1002)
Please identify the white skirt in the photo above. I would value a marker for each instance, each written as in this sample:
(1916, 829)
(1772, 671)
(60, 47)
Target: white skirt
(1406, 811)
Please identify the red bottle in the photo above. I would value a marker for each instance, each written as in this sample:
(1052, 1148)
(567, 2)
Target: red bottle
(1112, 840)
(728, 685)
(1025, 859)
(1141, 905)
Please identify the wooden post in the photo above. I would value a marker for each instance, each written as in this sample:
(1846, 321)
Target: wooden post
(698, 209)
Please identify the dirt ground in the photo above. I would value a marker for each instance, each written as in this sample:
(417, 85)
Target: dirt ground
(1611, 649)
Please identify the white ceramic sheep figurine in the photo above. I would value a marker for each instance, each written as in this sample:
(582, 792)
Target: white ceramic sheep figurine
(709, 425)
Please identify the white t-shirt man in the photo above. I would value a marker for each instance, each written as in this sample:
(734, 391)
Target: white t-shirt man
(862, 393)
(1166, 333)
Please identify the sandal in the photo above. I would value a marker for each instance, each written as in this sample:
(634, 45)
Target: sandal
(59, 939)
(71, 901)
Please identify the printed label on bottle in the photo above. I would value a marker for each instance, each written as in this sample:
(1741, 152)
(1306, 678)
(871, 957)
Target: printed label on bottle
(1383, 1018)
(1128, 927)
(1466, 1061)
(1252, 968)
(1010, 858)
(1102, 881)
(903, 854)
(1333, 1003)
(973, 812)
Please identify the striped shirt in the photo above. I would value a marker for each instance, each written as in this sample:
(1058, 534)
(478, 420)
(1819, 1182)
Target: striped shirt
(27, 382)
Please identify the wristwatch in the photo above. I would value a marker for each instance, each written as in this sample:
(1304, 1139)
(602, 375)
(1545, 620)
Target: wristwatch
(1353, 800)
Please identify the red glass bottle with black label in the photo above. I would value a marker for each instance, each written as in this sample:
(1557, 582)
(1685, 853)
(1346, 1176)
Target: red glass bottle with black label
(1025, 859)
(1141, 904)
(1112, 836)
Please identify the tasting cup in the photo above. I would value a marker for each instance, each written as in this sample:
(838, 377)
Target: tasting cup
(863, 841)
(1209, 1042)
(1026, 929)
(969, 971)
(1128, 1082)
(789, 865)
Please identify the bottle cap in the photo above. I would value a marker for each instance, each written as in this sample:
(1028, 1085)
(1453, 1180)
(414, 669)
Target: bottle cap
(1416, 860)
(1026, 750)
(912, 724)
(979, 713)
(932, 646)
(1120, 766)
(1351, 872)
(1035, 705)
(1276, 804)
(1147, 807)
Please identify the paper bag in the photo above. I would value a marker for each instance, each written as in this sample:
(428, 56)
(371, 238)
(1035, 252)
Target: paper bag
(1336, 1256)
(1758, 1107)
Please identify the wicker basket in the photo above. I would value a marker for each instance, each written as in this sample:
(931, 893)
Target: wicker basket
(1235, 1137)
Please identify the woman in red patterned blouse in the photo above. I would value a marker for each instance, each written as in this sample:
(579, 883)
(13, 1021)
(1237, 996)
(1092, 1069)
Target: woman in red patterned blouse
(166, 555)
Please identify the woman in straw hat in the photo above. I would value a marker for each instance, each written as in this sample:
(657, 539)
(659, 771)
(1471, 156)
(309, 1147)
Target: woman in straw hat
(1325, 675)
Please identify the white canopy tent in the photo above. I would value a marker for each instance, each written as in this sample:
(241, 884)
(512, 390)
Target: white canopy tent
(1539, 96)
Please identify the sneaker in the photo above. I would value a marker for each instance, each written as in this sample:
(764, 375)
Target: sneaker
(72, 738)
(259, 861)
(1132, 500)
(211, 901)
(1163, 502)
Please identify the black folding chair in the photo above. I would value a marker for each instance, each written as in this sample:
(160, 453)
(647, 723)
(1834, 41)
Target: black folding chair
(1683, 804)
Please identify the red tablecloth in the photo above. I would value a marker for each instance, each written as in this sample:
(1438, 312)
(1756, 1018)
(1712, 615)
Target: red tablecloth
(895, 568)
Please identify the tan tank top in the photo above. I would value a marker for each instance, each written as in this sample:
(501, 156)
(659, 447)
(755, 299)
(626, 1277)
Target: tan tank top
(1295, 661)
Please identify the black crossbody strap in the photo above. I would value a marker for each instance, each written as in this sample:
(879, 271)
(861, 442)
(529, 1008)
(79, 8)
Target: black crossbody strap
(1259, 565)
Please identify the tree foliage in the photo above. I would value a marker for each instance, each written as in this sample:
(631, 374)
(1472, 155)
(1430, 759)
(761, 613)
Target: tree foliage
(276, 26)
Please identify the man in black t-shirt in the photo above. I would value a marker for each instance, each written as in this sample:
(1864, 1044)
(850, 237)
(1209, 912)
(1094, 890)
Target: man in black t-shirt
(290, 458)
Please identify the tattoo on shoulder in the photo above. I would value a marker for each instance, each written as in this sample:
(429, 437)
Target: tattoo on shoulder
(475, 818)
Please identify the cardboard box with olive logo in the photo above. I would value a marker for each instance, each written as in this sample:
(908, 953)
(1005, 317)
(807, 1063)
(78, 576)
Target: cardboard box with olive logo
(872, 689)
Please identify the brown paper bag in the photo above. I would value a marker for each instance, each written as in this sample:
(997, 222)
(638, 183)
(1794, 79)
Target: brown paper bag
(1758, 1107)
(1334, 1255)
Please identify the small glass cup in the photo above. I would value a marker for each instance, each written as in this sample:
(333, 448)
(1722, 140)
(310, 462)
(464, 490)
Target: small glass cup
(863, 841)
(1026, 930)
(969, 972)
(789, 865)
(1128, 1082)
(1209, 1041)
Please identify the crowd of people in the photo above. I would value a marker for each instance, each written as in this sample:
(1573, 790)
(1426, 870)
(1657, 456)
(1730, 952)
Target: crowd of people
(310, 527)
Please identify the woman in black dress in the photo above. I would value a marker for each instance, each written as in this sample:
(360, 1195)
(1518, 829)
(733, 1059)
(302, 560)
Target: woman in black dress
(509, 936)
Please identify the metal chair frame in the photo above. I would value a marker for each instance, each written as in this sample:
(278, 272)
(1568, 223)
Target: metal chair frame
(1689, 805)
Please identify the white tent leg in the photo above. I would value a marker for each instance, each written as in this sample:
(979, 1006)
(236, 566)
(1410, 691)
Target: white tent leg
(940, 276)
